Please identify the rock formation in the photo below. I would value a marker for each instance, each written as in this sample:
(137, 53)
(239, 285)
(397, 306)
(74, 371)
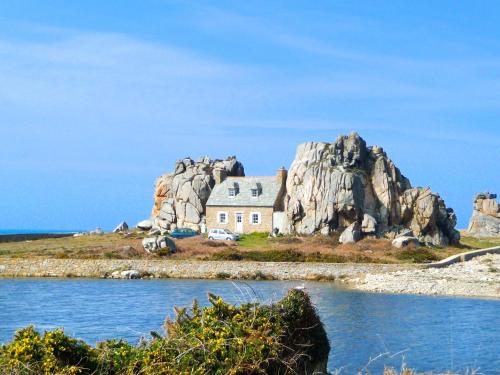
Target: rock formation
(404, 239)
(351, 234)
(145, 224)
(485, 220)
(122, 227)
(333, 185)
(180, 196)
(154, 244)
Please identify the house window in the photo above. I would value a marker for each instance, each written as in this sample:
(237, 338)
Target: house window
(222, 217)
(232, 192)
(255, 218)
(255, 193)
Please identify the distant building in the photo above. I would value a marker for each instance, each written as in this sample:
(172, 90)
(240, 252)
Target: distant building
(247, 204)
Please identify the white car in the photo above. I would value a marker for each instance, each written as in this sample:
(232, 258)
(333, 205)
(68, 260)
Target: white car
(222, 234)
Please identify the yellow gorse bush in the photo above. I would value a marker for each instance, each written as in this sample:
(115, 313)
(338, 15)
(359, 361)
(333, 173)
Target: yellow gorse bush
(218, 339)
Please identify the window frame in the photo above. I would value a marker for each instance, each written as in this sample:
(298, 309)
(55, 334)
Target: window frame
(259, 218)
(226, 220)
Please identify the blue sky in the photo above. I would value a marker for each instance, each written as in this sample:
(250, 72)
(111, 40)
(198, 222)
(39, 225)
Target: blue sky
(99, 98)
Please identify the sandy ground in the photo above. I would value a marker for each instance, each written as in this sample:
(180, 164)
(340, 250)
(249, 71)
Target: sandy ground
(479, 277)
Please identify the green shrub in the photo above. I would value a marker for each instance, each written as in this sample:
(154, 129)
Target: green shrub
(284, 338)
(418, 255)
(227, 255)
(288, 255)
(52, 353)
(112, 255)
(164, 252)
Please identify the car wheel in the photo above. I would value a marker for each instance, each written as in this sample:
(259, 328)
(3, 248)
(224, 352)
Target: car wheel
(228, 238)
(210, 238)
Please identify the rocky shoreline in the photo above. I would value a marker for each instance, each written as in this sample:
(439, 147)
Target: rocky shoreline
(479, 277)
(120, 268)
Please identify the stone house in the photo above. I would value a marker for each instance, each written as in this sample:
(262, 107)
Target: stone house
(247, 204)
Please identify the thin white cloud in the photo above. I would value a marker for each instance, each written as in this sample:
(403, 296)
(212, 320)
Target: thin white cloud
(78, 85)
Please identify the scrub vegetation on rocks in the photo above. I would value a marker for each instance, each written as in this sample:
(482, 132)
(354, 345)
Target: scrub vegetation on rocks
(283, 338)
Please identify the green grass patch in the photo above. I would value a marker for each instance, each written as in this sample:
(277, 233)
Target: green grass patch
(112, 255)
(479, 243)
(419, 255)
(288, 256)
(256, 239)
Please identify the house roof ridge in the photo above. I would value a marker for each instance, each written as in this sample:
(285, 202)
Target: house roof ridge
(242, 177)
(269, 188)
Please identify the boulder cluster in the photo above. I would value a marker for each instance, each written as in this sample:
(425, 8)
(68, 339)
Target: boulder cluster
(346, 184)
(341, 186)
(485, 220)
(180, 197)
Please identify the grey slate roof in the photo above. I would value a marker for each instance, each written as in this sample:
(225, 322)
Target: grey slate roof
(269, 190)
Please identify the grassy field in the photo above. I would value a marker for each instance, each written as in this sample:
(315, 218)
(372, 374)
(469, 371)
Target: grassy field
(254, 247)
(476, 243)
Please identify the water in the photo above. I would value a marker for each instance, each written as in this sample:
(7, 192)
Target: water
(36, 231)
(426, 333)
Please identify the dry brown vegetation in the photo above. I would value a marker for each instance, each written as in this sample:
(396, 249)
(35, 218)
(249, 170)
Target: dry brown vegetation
(257, 247)
(88, 247)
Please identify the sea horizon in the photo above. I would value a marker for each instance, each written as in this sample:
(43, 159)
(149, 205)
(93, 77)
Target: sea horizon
(37, 231)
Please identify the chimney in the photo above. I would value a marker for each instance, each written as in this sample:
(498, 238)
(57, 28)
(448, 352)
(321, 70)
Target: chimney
(219, 175)
(281, 176)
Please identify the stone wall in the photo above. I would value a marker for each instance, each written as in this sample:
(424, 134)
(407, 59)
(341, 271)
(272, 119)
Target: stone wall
(99, 268)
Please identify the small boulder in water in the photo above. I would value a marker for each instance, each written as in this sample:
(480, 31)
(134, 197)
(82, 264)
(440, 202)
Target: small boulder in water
(130, 274)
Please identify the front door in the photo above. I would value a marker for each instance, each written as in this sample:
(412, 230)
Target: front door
(239, 222)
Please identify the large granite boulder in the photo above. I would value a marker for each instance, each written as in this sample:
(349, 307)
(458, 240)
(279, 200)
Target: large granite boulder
(369, 224)
(156, 243)
(336, 184)
(180, 196)
(351, 234)
(485, 220)
(145, 224)
(404, 241)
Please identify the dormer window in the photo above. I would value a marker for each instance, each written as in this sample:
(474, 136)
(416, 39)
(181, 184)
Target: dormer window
(233, 189)
(255, 190)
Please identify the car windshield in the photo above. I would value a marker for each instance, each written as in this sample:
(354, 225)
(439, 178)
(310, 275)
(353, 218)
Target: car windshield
(228, 231)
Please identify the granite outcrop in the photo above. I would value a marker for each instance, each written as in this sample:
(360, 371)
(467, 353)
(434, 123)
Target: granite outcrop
(334, 185)
(180, 197)
(485, 220)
